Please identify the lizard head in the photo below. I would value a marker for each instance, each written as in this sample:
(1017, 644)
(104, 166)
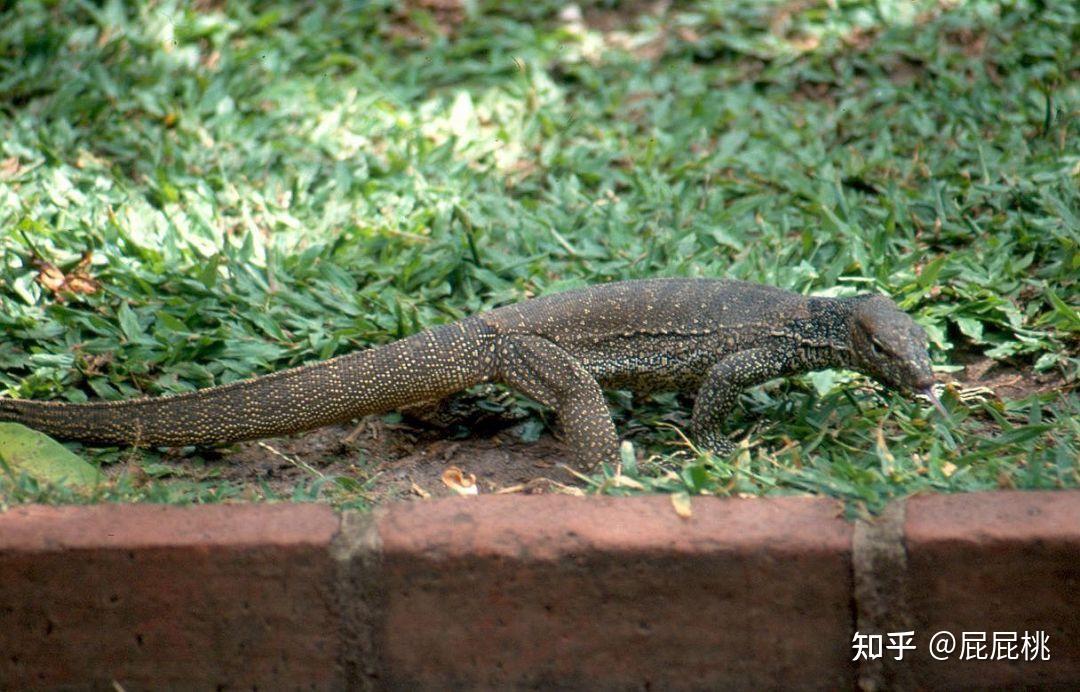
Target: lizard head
(890, 347)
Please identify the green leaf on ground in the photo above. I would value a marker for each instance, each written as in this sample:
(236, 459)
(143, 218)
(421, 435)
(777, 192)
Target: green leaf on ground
(40, 456)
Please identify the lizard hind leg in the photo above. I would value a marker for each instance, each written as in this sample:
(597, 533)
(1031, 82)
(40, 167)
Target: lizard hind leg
(543, 371)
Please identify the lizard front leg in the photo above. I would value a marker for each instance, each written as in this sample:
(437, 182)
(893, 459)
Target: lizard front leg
(720, 390)
(542, 370)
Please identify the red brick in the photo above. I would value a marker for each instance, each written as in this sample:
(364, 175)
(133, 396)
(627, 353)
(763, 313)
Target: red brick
(153, 596)
(604, 592)
(1005, 561)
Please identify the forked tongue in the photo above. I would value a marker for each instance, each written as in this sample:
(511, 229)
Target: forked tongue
(929, 394)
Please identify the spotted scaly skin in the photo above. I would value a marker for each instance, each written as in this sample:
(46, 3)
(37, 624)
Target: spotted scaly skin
(710, 337)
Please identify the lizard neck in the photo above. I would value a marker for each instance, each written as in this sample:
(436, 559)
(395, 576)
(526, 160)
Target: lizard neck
(825, 336)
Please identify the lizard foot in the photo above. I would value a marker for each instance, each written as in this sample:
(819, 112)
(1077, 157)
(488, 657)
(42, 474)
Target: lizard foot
(485, 408)
(715, 443)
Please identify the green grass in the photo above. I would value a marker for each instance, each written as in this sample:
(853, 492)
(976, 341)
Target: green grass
(266, 184)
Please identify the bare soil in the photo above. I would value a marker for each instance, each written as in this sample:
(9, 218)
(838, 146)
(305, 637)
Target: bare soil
(1006, 380)
(392, 461)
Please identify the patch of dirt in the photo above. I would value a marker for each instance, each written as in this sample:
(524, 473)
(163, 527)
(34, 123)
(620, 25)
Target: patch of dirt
(624, 17)
(618, 28)
(1007, 381)
(984, 377)
(392, 461)
(208, 6)
(448, 14)
(445, 16)
(903, 70)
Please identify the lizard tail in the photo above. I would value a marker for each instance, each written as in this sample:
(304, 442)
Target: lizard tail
(427, 366)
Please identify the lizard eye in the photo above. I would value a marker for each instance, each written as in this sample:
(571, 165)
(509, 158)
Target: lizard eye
(876, 348)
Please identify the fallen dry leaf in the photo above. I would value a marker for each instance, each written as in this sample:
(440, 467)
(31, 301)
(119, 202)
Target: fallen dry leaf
(536, 486)
(459, 481)
(9, 168)
(50, 276)
(622, 481)
(94, 363)
(78, 280)
(888, 461)
(742, 459)
(81, 284)
(681, 503)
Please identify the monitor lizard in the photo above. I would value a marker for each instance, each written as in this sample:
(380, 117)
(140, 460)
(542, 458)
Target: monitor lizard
(709, 337)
